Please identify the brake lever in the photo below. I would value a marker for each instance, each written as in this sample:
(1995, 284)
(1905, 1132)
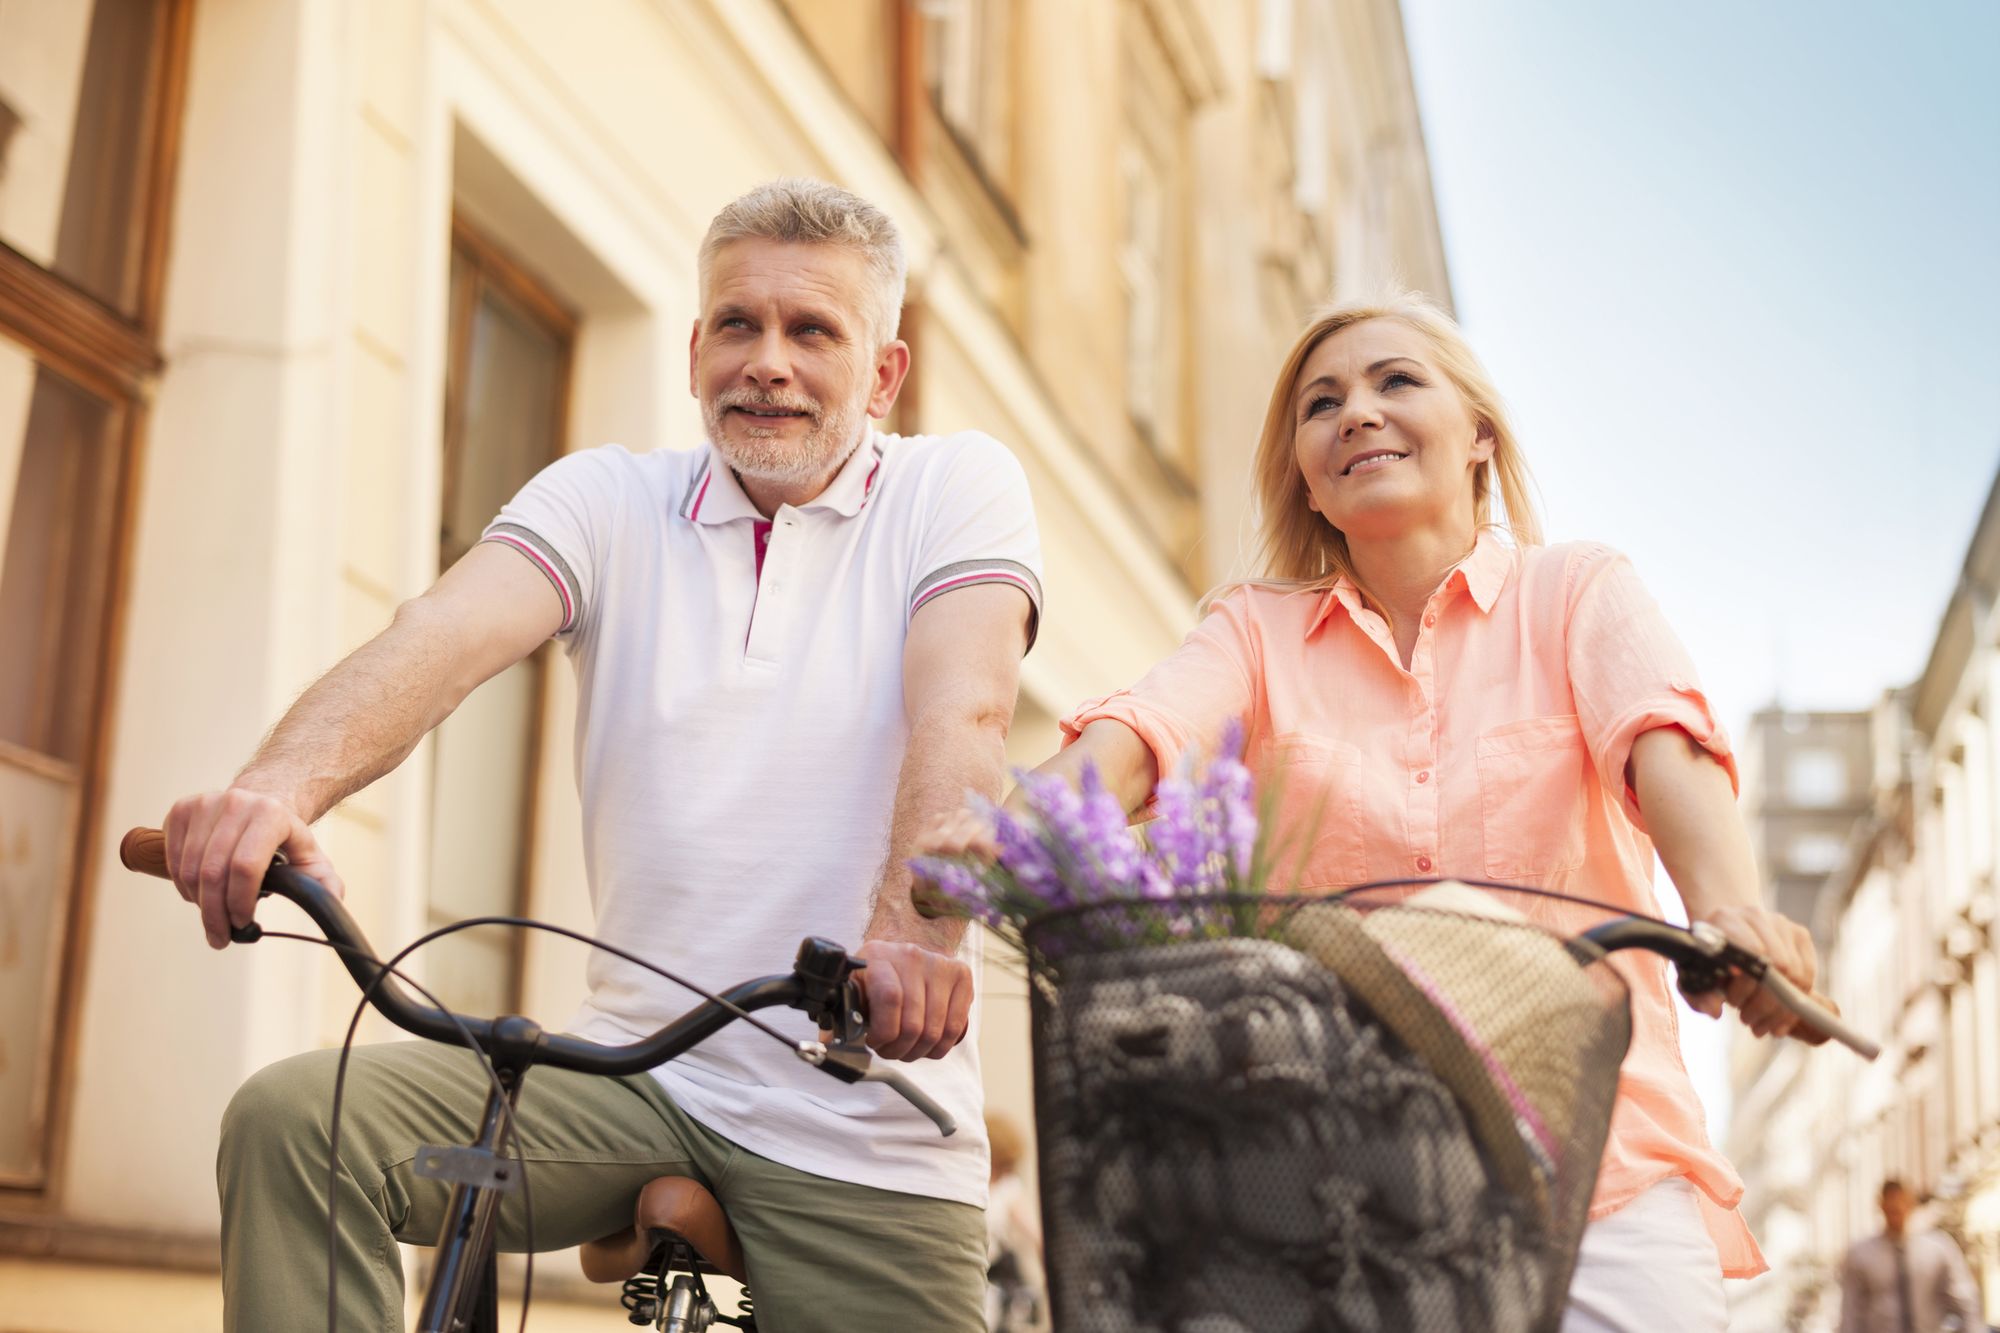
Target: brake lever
(1722, 958)
(856, 1064)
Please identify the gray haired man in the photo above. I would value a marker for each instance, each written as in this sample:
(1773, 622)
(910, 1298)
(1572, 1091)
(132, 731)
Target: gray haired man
(794, 647)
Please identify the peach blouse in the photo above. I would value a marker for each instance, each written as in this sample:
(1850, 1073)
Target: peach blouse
(1498, 754)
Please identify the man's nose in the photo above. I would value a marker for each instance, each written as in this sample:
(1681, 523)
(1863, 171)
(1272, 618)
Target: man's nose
(768, 363)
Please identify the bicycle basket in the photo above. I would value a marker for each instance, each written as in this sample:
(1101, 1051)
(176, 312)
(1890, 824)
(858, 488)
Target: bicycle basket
(1300, 1115)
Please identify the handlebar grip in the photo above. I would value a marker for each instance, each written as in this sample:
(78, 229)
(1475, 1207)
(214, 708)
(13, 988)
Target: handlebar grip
(1817, 1014)
(144, 851)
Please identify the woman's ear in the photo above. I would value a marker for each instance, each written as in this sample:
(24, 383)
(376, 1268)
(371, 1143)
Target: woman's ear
(1484, 443)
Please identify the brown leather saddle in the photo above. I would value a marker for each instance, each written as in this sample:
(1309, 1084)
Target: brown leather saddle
(678, 1207)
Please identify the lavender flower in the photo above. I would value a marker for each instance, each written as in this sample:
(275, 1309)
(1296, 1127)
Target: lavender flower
(1073, 848)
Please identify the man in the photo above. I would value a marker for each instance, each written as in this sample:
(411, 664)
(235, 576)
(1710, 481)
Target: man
(1902, 1283)
(793, 648)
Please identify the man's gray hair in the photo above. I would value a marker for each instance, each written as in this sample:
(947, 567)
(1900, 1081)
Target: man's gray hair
(812, 212)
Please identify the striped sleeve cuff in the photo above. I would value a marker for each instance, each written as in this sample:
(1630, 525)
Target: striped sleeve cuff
(968, 573)
(546, 559)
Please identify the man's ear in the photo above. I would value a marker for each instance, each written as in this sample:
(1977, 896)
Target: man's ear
(892, 367)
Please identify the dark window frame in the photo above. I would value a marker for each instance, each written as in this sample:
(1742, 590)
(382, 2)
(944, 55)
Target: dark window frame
(115, 356)
(489, 264)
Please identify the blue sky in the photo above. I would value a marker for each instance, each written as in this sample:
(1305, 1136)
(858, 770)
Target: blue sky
(1736, 267)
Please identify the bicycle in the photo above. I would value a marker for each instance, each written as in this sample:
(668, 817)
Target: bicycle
(680, 1231)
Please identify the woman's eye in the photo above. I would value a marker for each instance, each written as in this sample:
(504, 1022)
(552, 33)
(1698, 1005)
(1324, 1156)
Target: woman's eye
(1320, 404)
(1397, 377)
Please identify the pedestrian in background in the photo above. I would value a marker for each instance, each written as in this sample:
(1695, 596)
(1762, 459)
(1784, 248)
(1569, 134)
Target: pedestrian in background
(1900, 1282)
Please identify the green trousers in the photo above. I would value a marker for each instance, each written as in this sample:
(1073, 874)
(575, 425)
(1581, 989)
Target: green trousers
(824, 1255)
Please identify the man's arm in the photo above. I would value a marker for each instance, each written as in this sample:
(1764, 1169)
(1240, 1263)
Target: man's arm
(354, 724)
(1959, 1293)
(961, 673)
(1853, 1294)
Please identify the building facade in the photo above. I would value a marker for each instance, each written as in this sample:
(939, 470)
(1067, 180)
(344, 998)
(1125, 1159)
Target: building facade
(1909, 949)
(294, 292)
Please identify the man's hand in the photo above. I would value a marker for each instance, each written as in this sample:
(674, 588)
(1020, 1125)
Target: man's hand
(919, 1000)
(219, 844)
(1785, 944)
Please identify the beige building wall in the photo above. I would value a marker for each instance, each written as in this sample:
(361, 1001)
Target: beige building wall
(291, 486)
(1910, 955)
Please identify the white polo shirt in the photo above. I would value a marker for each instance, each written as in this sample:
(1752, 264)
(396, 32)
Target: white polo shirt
(740, 732)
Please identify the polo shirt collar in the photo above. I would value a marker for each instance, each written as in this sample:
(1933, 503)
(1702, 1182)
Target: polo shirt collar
(1483, 573)
(713, 495)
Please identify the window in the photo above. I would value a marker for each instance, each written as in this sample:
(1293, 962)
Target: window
(968, 69)
(1816, 778)
(506, 396)
(88, 100)
(1813, 854)
(78, 106)
(1152, 247)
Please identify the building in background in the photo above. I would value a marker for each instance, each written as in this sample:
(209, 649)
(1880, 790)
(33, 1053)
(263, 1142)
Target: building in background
(1907, 928)
(294, 292)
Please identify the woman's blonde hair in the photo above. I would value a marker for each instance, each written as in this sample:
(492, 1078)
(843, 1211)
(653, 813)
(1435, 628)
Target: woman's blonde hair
(1298, 544)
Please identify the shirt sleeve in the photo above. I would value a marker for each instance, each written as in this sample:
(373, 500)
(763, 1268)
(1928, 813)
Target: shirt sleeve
(981, 528)
(1184, 702)
(562, 522)
(1960, 1292)
(1629, 672)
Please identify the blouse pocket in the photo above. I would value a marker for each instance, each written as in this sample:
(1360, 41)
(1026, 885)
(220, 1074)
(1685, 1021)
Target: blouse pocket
(1318, 792)
(1532, 788)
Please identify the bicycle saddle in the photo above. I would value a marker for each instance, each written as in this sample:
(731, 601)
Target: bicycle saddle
(676, 1204)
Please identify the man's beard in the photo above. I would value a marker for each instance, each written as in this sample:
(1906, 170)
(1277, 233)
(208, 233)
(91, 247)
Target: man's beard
(760, 452)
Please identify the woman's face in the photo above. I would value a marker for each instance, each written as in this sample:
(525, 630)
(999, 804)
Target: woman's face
(1385, 442)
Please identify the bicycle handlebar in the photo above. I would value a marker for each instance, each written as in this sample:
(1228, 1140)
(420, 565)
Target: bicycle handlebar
(1704, 959)
(819, 983)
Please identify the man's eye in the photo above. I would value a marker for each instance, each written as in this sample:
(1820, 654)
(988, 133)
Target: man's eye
(735, 322)
(817, 330)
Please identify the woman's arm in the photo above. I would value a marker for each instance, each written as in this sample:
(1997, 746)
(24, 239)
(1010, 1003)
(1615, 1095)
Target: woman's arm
(1125, 764)
(1690, 809)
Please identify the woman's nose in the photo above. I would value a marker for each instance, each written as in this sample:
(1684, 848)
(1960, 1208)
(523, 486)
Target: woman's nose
(1357, 415)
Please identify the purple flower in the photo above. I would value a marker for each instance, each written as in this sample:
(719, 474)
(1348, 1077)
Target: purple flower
(959, 884)
(1231, 811)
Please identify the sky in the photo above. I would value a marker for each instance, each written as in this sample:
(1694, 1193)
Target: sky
(1736, 268)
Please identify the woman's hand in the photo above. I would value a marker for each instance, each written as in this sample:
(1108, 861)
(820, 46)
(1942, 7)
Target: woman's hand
(1785, 944)
(964, 832)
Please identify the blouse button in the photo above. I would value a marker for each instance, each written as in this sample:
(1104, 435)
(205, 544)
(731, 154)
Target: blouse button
(1423, 863)
(1430, 618)
(1424, 776)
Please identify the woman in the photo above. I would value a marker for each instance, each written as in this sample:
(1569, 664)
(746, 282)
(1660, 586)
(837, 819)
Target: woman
(1440, 694)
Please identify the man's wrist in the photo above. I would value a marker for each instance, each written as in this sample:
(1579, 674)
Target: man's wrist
(275, 786)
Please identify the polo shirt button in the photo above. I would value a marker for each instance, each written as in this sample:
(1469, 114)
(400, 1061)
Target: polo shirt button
(1424, 776)
(1423, 863)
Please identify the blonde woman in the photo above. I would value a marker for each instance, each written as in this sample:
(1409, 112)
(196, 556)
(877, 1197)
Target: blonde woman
(1444, 695)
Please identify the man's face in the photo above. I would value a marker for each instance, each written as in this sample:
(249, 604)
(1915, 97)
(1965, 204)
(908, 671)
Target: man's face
(784, 359)
(1897, 1206)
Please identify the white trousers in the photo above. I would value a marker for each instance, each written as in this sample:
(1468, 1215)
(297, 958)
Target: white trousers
(1649, 1266)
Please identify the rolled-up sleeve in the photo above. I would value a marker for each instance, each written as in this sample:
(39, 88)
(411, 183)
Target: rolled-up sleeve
(1629, 672)
(1183, 703)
